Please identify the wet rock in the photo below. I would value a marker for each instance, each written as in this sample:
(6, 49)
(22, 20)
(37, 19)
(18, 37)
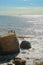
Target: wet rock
(17, 62)
(23, 62)
(9, 43)
(16, 59)
(25, 45)
(9, 64)
(20, 62)
(27, 58)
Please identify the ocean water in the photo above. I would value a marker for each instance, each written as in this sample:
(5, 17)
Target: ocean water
(26, 25)
(22, 24)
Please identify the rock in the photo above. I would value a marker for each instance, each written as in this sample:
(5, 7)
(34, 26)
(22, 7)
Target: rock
(16, 59)
(17, 62)
(25, 45)
(20, 62)
(9, 43)
(23, 62)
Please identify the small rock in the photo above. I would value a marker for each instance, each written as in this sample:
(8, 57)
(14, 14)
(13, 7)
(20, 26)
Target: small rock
(27, 58)
(17, 62)
(25, 45)
(23, 62)
(9, 64)
(16, 59)
(20, 62)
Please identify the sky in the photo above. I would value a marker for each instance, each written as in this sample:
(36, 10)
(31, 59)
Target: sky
(20, 7)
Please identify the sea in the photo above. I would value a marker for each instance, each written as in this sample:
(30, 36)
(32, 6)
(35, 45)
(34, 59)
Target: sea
(26, 25)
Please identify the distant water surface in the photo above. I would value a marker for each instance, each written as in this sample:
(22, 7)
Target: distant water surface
(23, 25)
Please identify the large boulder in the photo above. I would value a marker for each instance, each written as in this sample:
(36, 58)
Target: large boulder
(9, 43)
(25, 45)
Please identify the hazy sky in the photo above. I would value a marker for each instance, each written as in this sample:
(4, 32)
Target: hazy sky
(11, 7)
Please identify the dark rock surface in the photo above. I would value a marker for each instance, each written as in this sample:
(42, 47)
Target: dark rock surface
(7, 58)
(25, 45)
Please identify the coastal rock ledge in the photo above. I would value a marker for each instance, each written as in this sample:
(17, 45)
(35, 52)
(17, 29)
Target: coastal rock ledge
(9, 43)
